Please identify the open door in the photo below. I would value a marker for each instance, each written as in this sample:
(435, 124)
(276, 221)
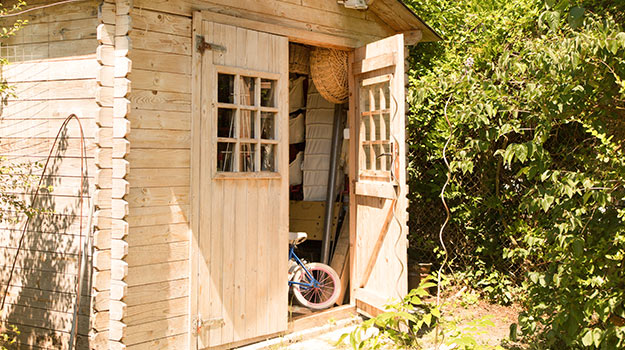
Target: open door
(242, 215)
(378, 175)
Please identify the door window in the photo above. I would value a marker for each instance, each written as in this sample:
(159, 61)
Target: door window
(376, 147)
(246, 114)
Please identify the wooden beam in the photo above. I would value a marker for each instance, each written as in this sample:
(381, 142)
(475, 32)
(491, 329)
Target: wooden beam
(374, 63)
(294, 34)
(319, 319)
(375, 189)
(413, 37)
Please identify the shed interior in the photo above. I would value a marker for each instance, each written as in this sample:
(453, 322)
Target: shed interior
(311, 124)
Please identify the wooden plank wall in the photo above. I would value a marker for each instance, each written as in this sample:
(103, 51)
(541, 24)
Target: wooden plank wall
(54, 70)
(157, 280)
(156, 288)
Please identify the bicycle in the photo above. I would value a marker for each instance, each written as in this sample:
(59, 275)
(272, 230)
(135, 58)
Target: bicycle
(315, 285)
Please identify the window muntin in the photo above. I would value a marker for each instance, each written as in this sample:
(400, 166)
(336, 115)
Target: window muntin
(376, 147)
(246, 122)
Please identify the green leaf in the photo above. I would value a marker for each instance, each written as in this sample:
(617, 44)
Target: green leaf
(578, 247)
(552, 19)
(597, 336)
(576, 17)
(427, 318)
(520, 151)
(341, 339)
(562, 5)
(587, 339)
(546, 202)
(620, 37)
(513, 332)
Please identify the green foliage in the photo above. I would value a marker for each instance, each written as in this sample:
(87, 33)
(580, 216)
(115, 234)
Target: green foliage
(402, 327)
(492, 284)
(16, 178)
(464, 338)
(409, 320)
(8, 338)
(6, 32)
(535, 92)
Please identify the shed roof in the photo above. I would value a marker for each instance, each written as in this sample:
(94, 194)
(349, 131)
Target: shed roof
(401, 18)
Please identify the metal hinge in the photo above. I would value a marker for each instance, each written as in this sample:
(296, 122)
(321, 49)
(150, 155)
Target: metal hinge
(199, 324)
(201, 45)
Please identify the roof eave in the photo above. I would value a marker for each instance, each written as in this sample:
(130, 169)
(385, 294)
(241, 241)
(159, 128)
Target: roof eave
(402, 18)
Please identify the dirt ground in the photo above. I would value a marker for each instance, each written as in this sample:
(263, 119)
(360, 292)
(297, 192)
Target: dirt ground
(461, 310)
(465, 310)
(501, 317)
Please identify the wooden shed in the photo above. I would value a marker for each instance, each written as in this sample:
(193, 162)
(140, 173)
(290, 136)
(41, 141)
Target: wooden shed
(185, 107)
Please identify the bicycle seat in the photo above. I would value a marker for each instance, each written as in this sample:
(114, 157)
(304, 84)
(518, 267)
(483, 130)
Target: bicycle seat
(297, 237)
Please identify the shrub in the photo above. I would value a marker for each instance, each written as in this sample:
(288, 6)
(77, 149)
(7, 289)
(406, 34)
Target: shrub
(536, 96)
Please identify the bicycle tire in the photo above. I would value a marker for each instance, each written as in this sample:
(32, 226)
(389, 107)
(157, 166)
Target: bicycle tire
(317, 298)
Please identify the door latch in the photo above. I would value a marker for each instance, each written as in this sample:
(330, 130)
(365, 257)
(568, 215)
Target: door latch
(201, 45)
(199, 324)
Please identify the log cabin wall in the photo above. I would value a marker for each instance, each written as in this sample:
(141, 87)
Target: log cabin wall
(156, 285)
(56, 71)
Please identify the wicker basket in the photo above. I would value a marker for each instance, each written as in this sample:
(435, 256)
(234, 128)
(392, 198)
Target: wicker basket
(299, 59)
(328, 68)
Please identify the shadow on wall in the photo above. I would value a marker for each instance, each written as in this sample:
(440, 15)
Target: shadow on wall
(41, 298)
(52, 32)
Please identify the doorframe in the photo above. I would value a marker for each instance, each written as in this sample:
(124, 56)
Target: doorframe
(194, 195)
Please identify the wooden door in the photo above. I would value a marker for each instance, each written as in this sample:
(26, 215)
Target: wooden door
(377, 171)
(243, 201)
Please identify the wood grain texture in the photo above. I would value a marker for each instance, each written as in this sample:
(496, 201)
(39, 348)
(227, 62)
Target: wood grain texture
(54, 70)
(241, 238)
(328, 20)
(378, 236)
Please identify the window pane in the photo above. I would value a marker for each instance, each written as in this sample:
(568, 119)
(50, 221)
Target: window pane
(247, 91)
(379, 157)
(225, 88)
(248, 154)
(367, 155)
(267, 126)
(386, 117)
(225, 156)
(366, 126)
(225, 122)
(386, 94)
(268, 158)
(377, 95)
(247, 124)
(388, 156)
(365, 99)
(267, 93)
(377, 125)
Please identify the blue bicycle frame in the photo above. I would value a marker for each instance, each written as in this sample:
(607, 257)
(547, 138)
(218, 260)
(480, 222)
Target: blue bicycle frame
(293, 256)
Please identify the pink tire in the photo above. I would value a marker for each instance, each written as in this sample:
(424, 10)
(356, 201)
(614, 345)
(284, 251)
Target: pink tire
(322, 297)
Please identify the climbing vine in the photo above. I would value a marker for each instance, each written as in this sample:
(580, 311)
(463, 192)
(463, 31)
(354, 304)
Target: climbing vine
(539, 126)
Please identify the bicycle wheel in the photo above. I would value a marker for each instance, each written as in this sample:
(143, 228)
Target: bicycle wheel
(325, 294)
